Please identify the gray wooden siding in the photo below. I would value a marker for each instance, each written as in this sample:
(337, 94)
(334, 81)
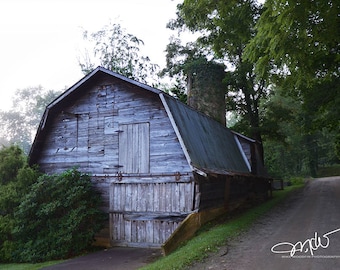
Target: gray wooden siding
(147, 191)
(146, 214)
(140, 233)
(86, 134)
(159, 198)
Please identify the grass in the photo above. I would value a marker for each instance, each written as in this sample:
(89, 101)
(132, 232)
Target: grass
(210, 237)
(27, 266)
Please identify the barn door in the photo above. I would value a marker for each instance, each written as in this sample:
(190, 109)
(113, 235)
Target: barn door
(134, 148)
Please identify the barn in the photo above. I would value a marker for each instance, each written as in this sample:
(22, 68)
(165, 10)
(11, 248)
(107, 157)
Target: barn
(159, 164)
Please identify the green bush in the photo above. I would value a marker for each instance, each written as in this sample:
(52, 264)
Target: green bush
(11, 160)
(16, 178)
(58, 218)
(296, 181)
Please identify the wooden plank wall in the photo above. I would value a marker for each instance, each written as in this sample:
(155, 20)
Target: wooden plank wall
(159, 198)
(247, 191)
(86, 134)
(146, 214)
(212, 191)
(226, 191)
(140, 233)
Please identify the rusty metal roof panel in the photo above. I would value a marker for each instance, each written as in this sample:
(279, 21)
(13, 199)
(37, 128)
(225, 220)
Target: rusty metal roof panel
(209, 144)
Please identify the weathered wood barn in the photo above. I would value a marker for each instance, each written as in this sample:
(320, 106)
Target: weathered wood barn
(155, 160)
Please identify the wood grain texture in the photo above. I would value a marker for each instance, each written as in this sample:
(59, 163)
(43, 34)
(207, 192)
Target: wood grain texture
(123, 137)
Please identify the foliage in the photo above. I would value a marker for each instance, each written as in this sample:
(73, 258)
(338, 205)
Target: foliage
(282, 77)
(20, 123)
(118, 51)
(15, 181)
(327, 171)
(176, 89)
(296, 181)
(44, 217)
(297, 45)
(215, 235)
(11, 160)
(291, 147)
(58, 218)
(302, 36)
(178, 59)
(226, 27)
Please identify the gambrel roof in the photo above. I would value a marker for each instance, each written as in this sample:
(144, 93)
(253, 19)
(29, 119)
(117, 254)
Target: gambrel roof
(207, 145)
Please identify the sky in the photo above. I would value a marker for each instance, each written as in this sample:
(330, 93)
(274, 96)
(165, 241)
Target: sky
(41, 40)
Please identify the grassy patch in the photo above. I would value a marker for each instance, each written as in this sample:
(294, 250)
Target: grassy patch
(27, 266)
(209, 238)
(297, 180)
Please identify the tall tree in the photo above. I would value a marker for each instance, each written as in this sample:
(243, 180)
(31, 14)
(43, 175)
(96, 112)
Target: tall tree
(300, 41)
(21, 121)
(119, 51)
(227, 27)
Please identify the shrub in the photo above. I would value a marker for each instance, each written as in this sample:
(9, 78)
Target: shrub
(16, 177)
(58, 218)
(297, 181)
(11, 160)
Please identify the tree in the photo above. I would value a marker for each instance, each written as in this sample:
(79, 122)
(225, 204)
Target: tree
(178, 57)
(16, 177)
(300, 42)
(20, 123)
(226, 27)
(297, 46)
(199, 81)
(119, 51)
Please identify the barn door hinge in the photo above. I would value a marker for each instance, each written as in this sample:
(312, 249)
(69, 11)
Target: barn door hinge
(119, 131)
(178, 176)
(120, 176)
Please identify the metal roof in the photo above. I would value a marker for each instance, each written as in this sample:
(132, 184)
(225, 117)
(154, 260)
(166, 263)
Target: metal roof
(210, 145)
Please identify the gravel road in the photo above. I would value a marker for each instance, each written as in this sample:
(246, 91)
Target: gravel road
(308, 223)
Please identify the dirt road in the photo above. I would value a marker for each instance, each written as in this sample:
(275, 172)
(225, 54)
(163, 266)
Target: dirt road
(117, 258)
(308, 221)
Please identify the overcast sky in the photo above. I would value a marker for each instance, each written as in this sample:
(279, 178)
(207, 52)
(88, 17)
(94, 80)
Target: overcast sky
(41, 40)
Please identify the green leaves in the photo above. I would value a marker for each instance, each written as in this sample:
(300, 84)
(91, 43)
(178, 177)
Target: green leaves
(299, 41)
(118, 51)
(58, 217)
(11, 160)
(15, 180)
(44, 217)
